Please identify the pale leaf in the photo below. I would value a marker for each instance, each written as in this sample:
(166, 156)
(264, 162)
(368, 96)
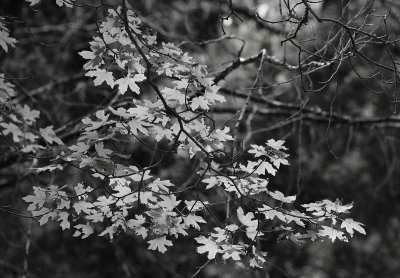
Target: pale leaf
(159, 244)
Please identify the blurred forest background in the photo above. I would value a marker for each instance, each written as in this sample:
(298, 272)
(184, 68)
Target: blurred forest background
(337, 110)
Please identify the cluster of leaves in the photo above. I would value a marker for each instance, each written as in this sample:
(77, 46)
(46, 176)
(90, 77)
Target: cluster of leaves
(60, 3)
(16, 120)
(166, 101)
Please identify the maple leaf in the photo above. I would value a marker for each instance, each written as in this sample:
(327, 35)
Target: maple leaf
(195, 205)
(257, 150)
(28, 114)
(38, 199)
(5, 39)
(350, 225)
(220, 235)
(101, 115)
(30, 136)
(222, 135)
(278, 161)
(232, 227)
(170, 49)
(249, 221)
(212, 95)
(121, 112)
(32, 148)
(192, 220)
(86, 230)
(136, 225)
(122, 190)
(46, 216)
(94, 56)
(102, 76)
(316, 208)
(63, 204)
(88, 55)
(232, 251)
(277, 145)
(137, 222)
(67, 3)
(181, 84)
(81, 190)
(258, 259)
(142, 176)
(246, 219)
(186, 59)
(271, 213)
(332, 233)
(110, 230)
(139, 111)
(83, 206)
(265, 166)
(296, 217)
(92, 125)
(63, 217)
(159, 244)
(174, 95)
(6, 90)
(211, 182)
(124, 83)
(166, 67)
(101, 151)
(160, 185)
(50, 136)
(336, 206)
(136, 125)
(208, 246)
(201, 102)
(250, 166)
(80, 147)
(49, 168)
(150, 39)
(169, 202)
(33, 2)
(277, 195)
(14, 130)
(161, 132)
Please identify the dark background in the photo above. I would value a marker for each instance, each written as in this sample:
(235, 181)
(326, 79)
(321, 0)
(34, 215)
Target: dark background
(332, 155)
